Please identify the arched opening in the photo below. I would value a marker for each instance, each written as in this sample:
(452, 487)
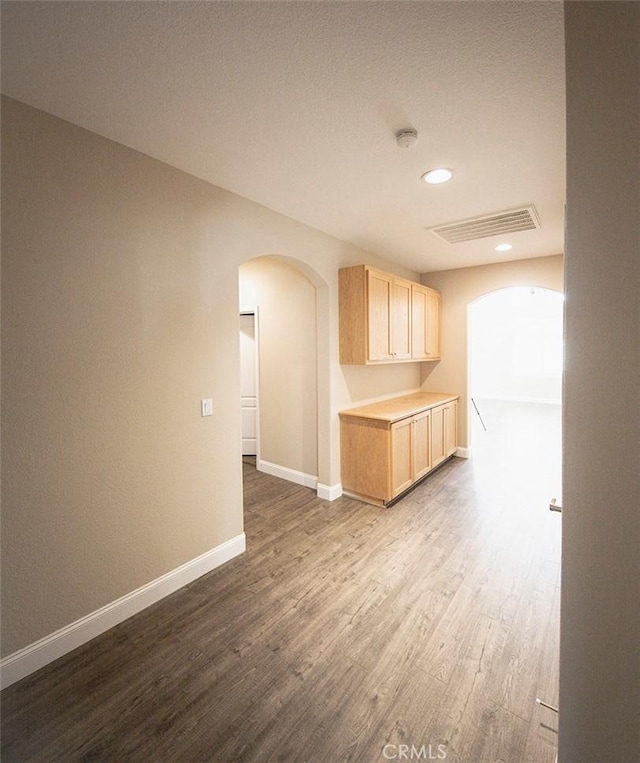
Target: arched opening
(287, 302)
(515, 358)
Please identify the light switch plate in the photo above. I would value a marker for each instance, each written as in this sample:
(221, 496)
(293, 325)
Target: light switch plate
(206, 406)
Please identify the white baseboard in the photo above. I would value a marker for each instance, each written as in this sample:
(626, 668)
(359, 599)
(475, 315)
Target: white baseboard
(463, 452)
(55, 645)
(326, 492)
(329, 492)
(291, 475)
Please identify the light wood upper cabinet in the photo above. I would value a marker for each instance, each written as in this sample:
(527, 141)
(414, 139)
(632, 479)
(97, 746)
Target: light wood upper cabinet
(377, 314)
(425, 323)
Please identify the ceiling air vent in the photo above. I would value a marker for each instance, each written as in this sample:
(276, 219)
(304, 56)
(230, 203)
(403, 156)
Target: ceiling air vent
(513, 220)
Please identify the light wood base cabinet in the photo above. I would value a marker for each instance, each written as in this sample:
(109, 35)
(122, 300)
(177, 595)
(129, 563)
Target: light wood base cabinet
(387, 447)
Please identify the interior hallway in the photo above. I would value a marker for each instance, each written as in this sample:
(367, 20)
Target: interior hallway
(344, 628)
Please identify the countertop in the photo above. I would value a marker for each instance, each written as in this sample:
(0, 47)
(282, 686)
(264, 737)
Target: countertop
(397, 408)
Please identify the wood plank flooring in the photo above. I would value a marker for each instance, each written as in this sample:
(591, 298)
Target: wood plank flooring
(344, 632)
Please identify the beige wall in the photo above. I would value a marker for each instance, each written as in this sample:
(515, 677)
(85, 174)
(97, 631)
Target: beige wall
(600, 602)
(286, 302)
(461, 287)
(120, 312)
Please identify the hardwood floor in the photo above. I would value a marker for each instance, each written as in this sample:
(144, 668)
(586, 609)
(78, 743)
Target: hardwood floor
(344, 632)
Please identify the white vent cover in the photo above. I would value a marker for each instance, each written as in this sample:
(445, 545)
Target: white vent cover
(498, 224)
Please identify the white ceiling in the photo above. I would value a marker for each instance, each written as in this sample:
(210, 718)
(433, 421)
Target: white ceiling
(295, 105)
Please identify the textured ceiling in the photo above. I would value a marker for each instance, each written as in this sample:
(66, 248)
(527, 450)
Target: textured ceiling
(295, 106)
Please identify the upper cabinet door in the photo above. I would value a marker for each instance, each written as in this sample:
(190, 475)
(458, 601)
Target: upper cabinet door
(389, 299)
(380, 297)
(433, 324)
(425, 331)
(419, 318)
(401, 320)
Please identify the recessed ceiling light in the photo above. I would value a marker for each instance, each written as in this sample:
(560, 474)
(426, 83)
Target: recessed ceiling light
(440, 175)
(503, 247)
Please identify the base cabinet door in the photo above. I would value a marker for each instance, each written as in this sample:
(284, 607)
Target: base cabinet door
(450, 428)
(401, 456)
(410, 451)
(444, 432)
(421, 445)
(438, 453)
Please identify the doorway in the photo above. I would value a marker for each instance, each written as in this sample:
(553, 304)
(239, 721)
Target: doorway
(249, 385)
(515, 381)
(284, 299)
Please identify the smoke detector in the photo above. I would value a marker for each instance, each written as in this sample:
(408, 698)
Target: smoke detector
(407, 138)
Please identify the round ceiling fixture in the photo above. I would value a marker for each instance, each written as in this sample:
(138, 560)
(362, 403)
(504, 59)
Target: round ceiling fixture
(439, 175)
(503, 247)
(407, 138)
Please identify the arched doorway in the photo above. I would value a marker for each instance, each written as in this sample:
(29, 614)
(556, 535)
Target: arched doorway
(289, 303)
(515, 359)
